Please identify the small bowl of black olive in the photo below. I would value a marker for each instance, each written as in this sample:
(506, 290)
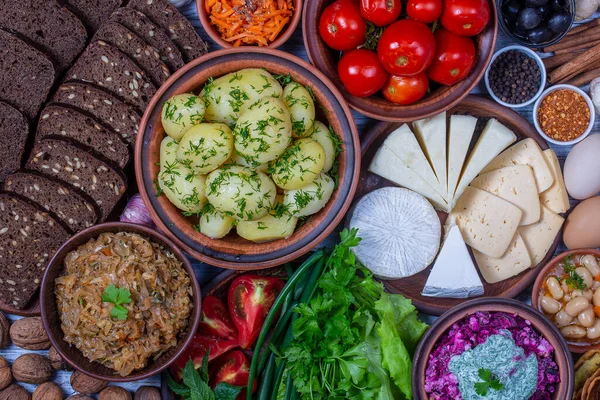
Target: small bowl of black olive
(536, 23)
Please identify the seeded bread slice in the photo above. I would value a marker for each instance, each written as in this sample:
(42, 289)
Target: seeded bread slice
(26, 76)
(14, 130)
(180, 30)
(68, 123)
(104, 65)
(140, 24)
(131, 44)
(55, 29)
(61, 199)
(81, 169)
(106, 108)
(29, 238)
(94, 12)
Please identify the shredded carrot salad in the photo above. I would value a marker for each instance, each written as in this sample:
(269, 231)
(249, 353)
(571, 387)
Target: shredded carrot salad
(249, 22)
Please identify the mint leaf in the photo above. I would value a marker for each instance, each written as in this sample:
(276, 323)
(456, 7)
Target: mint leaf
(178, 388)
(199, 389)
(203, 370)
(225, 391)
(117, 296)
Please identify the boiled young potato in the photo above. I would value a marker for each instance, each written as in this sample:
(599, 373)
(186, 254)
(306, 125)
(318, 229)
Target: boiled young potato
(229, 96)
(181, 186)
(241, 160)
(264, 131)
(326, 138)
(214, 224)
(302, 108)
(240, 192)
(299, 165)
(277, 224)
(311, 198)
(205, 147)
(180, 113)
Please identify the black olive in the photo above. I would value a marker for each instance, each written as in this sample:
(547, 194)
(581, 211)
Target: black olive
(559, 22)
(511, 9)
(535, 3)
(517, 30)
(558, 5)
(529, 18)
(543, 11)
(539, 35)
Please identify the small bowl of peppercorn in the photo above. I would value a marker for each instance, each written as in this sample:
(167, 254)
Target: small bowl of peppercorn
(515, 77)
(564, 115)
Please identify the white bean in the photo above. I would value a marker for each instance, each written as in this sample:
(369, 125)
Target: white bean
(549, 305)
(588, 294)
(563, 319)
(576, 293)
(593, 332)
(597, 297)
(577, 305)
(554, 288)
(585, 274)
(587, 317)
(567, 297)
(596, 285)
(591, 263)
(565, 287)
(573, 331)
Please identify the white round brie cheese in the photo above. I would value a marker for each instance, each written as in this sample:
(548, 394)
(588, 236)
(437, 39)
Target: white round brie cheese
(400, 232)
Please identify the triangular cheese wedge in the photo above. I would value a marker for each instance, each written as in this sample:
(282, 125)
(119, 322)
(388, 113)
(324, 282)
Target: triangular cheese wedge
(514, 261)
(556, 197)
(453, 275)
(460, 134)
(431, 133)
(526, 152)
(540, 236)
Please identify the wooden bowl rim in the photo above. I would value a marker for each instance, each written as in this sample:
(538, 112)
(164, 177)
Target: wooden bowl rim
(92, 232)
(573, 346)
(354, 156)
(361, 104)
(562, 357)
(281, 39)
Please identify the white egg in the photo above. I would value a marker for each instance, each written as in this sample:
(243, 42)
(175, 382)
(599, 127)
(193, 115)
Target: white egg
(582, 169)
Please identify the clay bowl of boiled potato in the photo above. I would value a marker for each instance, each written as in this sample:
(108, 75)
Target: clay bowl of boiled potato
(567, 292)
(247, 158)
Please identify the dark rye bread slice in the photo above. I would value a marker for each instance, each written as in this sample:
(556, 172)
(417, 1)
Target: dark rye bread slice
(73, 165)
(29, 238)
(131, 44)
(71, 124)
(104, 65)
(59, 198)
(26, 76)
(53, 28)
(180, 30)
(140, 24)
(14, 130)
(93, 12)
(106, 108)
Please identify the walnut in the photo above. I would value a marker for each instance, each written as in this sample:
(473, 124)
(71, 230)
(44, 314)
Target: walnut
(4, 329)
(58, 363)
(15, 392)
(85, 384)
(47, 391)
(79, 397)
(5, 373)
(147, 393)
(29, 334)
(32, 368)
(114, 393)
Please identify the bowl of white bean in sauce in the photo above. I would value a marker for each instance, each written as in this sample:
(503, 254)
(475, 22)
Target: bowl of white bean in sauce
(567, 292)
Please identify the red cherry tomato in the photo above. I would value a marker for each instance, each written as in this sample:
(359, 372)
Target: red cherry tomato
(380, 12)
(454, 58)
(406, 90)
(341, 26)
(465, 17)
(424, 10)
(406, 47)
(361, 72)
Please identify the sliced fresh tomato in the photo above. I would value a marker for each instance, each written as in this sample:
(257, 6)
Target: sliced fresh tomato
(232, 368)
(215, 319)
(454, 58)
(250, 298)
(465, 17)
(197, 350)
(380, 12)
(406, 90)
(424, 10)
(341, 26)
(361, 72)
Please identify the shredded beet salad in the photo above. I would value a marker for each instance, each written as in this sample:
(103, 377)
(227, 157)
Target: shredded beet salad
(474, 330)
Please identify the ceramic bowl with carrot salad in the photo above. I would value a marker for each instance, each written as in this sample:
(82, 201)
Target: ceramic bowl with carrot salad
(264, 23)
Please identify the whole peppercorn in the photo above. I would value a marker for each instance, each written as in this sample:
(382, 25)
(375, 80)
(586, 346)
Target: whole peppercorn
(514, 77)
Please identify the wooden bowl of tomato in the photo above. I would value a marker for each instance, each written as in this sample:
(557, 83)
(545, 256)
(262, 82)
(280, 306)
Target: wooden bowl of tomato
(397, 61)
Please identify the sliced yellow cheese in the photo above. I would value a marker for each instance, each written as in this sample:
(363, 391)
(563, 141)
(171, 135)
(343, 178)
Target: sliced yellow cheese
(431, 133)
(487, 222)
(494, 138)
(540, 236)
(459, 139)
(556, 197)
(514, 261)
(515, 184)
(526, 152)
(387, 165)
(405, 146)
